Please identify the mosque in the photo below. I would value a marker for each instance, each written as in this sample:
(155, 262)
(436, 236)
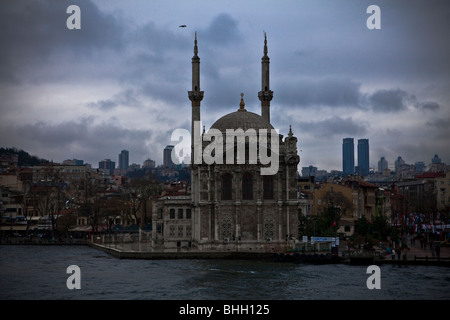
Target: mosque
(233, 206)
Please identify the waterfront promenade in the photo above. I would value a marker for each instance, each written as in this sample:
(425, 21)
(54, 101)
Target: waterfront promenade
(415, 251)
(134, 250)
(415, 255)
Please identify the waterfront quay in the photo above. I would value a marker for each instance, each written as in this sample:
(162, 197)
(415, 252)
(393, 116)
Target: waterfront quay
(414, 256)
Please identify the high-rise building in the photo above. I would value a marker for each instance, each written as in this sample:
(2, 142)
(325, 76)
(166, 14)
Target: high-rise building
(167, 156)
(309, 171)
(363, 157)
(382, 164)
(420, 166)
(436, 159)
(107, 165)
(149, 163)
(73, 162)
(398, 163)
(348, 156)
(124, 157)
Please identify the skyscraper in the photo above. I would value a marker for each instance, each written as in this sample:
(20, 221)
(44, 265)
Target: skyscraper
(382, 164)
(398, 163)
(363, 157)
(167, 156)
(124, 160)
(436, 159)
(348, 156)
(107, 165)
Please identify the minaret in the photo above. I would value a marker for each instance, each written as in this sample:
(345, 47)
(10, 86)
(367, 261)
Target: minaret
(195, 95)
(265, 95)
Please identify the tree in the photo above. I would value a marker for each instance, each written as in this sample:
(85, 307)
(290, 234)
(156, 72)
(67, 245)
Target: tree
(49, 195)
(25, 200)
(373, 232)
(138, 192)
(85, 196)
(335, 206)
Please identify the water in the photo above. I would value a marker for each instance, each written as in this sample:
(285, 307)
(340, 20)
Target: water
(39, 272)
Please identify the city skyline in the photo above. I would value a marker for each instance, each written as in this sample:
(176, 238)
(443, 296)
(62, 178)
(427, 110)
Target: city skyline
(122, 80)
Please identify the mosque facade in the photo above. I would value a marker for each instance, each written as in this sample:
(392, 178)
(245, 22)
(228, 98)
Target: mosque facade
(235, 202)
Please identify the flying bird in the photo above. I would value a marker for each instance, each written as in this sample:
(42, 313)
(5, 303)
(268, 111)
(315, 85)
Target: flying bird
(183, 26)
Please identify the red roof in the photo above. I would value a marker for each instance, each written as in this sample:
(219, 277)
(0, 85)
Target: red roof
(430, 175)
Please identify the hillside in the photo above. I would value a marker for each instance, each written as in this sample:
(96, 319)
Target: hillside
(25, 159)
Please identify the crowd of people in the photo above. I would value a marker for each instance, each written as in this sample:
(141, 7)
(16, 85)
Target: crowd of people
(429, 229)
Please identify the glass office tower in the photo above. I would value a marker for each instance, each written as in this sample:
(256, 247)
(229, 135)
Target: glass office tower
(348, 156)
(363, 157)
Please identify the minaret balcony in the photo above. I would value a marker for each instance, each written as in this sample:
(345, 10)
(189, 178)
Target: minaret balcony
(266, 95)
(196, 96)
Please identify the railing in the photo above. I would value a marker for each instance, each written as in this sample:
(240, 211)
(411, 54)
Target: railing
(43, 241)
(125, 241)
(427, 258)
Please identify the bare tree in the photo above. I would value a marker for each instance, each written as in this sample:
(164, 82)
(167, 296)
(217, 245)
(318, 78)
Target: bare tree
(85, 196)
(138, 192)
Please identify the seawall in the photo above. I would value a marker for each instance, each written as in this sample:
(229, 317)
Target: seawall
(160, 255)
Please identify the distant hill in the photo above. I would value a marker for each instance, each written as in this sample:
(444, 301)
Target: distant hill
(25, 159)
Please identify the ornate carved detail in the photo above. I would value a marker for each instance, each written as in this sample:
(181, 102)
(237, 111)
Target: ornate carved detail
(265, 95)
(196, 96)
(293, 159)
(226, 224)
(269, 224)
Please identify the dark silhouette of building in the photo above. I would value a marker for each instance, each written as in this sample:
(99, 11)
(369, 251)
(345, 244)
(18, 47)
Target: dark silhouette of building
(167, 156)
(348, 156)
(124, 157)
(363, 157)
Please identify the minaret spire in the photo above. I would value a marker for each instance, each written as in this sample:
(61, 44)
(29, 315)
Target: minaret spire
(265, 95)
(195, 95)
(195, 45)
(265, 44)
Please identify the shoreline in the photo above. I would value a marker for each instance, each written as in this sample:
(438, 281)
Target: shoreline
(318, 258)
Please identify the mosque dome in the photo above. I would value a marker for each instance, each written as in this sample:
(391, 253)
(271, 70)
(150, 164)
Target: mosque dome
(241, 119)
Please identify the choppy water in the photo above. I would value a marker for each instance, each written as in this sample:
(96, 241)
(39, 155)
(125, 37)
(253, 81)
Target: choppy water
(39, 272)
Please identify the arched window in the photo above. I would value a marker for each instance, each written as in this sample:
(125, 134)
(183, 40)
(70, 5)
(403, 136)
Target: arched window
(226, 186)
(268, 187)
(247, 186)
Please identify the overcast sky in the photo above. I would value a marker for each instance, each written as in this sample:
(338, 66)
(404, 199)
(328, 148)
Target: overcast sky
(121, 81)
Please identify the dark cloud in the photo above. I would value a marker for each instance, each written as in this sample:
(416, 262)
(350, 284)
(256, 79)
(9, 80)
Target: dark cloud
(394, 101)
(391, 100)
(36, 35)
(430, 105)
(329, 91)
(439, 131)
(335, 126)
(322, 58)
(82, 139)
(126, 98)
(222, 30)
